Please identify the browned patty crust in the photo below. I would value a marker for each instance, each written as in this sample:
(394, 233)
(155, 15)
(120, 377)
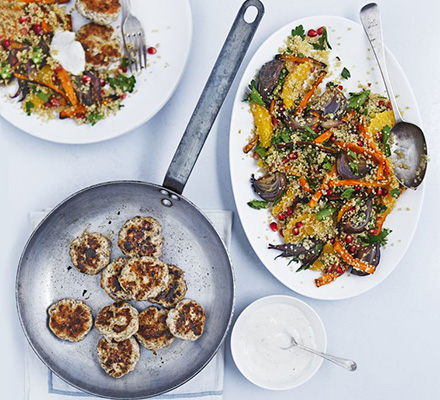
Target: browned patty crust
(153, 331)
(118, 321)
(70, 319)
(100, 43)
(90, 252)
(110, 279)
(118, 358)
(144, 277)
(187, 320)
(175, 291)
(141, 236)
(102, 6)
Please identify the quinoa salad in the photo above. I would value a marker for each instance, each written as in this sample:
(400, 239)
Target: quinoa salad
(45, 85)
(322, 160)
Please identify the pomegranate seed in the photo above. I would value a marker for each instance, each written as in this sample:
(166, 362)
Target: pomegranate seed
(311, 33)
(52, 102)
(86, 79)
(384, 191)
(381, 103)
(319, 31)
(6, 44)
(299, 224)
(332, 139)
(332, 241)
(37, 29)
(339, 270)
(59, 68)
(102, 82)
(389, 106)
(357, 188)
(274, 226)
(281, 217)
(293, 156)
(54, 78)
(289, 211)
(360, 143)
(379, 191)
(22, 20)
(285, 159)
(329, 192)
(329, 270)
(380, 135)
(152, 50)
(295, 231)
(312, 69)
(373, 232)
(123, 96)
(256, 156)
(340, 87)
(274, 121)
(24, 31)
(369, 84)
(123, 69)
(349, 239)
(81, 116)
(281, 232)
(352, 249)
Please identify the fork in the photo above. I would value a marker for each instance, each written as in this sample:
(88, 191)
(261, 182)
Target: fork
(134, 40)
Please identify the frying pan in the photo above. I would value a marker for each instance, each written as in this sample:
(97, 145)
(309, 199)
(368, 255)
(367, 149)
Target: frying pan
(45, 275)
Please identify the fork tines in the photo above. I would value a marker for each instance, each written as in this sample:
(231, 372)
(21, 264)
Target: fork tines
(135, 49)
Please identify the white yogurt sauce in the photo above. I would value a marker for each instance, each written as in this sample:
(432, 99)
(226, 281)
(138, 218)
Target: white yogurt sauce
(68, 52)
(265, 332)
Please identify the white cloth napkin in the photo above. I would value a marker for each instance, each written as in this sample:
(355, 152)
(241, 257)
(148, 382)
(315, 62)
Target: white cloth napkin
(42, 384)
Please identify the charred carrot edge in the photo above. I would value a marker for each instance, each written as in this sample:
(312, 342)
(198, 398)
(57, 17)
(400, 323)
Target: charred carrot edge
(344, 209)
(72, 111)
(67, 86)
(323, 137)
(379, 223)
(318, 194)
(272, 106)
(309, 94)
(350, 260)
(47, 84)
(357, 182)
(361, 150)
(291, 57)
(304, 184)
(250, 145)
(328, 278)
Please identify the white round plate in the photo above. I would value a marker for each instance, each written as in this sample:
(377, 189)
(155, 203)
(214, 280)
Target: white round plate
(351, 45)
(243, 363)
(167, 25)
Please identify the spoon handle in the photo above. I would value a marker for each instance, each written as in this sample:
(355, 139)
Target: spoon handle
(370, 18)
(342, 362)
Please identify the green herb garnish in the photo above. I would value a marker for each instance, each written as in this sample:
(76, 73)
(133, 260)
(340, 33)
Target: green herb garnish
(94, 117)
(308, 133)
(345, 73)
(299, 31)
(381, 208)
(261, 151)
(325, 213)
(279, 198)
(125, 83)
(395, 193)
(322, 43)
(29, 106)
(258, 204)
(37, 55)
(318, 249)
(254, 95)
(124, 62)
(354, 167)
(358, 99)
(327, 164)
(6, 71)
(381, 238)
(348, 193)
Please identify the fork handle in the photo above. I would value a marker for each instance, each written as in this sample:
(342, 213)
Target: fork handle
(127, 10)
(213, 95)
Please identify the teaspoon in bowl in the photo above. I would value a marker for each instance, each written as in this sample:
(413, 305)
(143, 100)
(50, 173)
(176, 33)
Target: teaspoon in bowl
(408, 151)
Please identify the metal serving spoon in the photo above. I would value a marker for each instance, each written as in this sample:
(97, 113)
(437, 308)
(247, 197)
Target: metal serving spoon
(408, 150)
(342, 362)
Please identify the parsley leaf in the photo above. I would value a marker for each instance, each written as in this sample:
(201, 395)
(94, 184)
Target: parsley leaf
(254, 95)
(327, 164)
(29, 106)
(258, 204)
(358, 99)
(94, 117)
(381, 208)
(325, 213)
(261, 151)
(322, 43)
(381, 238)
(299, 31)
(345, 73)
(395, 193)
(125, 83)
(347, 193)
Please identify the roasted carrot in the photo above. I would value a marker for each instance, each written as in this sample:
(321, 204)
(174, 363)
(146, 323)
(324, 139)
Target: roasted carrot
(40, 1)
(350, 260)
(344, 209)
(379, 223)
(357, 182)
(380, 174)
(291, 57)
(73, 111)
(323, 137)
(318, 194)
(46, 84)
(250, 145)
(360, 150)
(67, 86)
(309, 94)
(272, 106)
(304, 184)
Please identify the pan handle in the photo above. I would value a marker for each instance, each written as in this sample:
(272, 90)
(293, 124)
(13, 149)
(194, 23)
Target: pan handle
(213, 95)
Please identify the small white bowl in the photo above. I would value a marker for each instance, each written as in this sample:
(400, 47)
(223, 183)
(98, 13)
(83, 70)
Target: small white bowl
(245, 361)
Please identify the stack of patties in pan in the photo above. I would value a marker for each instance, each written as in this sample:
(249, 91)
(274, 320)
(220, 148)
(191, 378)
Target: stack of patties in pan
(140, 276)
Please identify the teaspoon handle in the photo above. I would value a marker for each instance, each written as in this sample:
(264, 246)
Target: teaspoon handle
(370, 18)
(342, 362)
